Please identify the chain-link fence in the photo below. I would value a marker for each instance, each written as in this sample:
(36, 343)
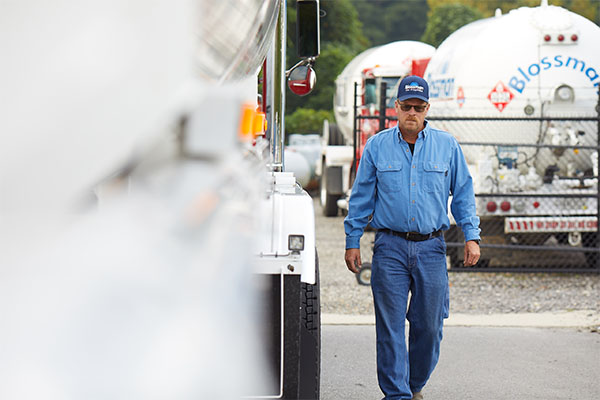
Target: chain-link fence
(536, 187)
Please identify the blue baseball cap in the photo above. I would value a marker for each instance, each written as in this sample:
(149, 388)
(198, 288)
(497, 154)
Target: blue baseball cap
(413, 87)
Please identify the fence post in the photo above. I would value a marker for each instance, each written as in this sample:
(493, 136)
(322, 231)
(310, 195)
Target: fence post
(598, 185)
(355, 134)
(382, 106)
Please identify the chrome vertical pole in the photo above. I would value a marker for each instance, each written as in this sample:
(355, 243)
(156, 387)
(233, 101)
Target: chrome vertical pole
(276, 91)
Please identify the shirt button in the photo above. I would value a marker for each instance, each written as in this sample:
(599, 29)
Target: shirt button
(414, 166)
(413, 218)
(413, 184)
(413, 202)
(407, 150)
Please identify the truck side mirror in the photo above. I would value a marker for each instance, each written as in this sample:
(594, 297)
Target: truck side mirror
(302, 79)
(307, 28)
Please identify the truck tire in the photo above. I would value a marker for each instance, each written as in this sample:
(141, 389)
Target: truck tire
(302, 339)
(335, 136)
(363, 277)
(328, 200)
(310, 338)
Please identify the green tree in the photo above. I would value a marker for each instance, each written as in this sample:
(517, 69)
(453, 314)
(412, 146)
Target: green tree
(306, 120)
(446, 19)
(405, 20)
(370, 15)
(388, 21)
(588, 8)
(340, 25)
(341, 40)
(328, 66)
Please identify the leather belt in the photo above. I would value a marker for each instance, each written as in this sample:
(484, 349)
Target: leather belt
(412, 236)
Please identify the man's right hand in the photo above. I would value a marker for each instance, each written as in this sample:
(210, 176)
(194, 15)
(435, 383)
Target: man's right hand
(353, 260)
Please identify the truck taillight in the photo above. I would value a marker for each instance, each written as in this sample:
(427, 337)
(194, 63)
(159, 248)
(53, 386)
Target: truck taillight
(536, 204)
(491, 206)
(574, 37)
(505, 206)
(561, 38)
(547, 38)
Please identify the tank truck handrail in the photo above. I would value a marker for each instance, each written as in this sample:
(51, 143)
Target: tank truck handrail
(540, 195)
(440, 118)
(535, 145)
(597, 185)
(530, 247)
(355, 131)
(382, 105)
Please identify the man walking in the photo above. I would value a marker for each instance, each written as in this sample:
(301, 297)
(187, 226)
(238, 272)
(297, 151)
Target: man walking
(404, 179)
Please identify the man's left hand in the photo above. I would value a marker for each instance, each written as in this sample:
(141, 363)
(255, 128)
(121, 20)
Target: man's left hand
(472, 253)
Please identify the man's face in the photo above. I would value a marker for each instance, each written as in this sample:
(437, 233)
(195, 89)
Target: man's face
(412, 120)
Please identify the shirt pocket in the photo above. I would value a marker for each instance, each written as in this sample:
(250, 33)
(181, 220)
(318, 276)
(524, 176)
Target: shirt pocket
(389, 176)
(434, 176)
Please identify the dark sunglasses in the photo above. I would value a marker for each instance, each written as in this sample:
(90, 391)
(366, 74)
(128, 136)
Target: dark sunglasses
(407, 107)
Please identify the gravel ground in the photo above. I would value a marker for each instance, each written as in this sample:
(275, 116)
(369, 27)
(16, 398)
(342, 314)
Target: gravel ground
(474, 293)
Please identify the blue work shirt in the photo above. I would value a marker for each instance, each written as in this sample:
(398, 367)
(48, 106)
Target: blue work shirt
(409, 192)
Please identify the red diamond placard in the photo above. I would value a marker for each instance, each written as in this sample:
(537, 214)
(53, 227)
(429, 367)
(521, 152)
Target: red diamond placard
(460, 97)
(500, 96)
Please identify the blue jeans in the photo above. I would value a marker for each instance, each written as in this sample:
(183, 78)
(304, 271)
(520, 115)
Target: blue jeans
(400, 266)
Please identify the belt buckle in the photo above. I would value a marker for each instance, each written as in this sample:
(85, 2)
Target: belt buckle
(407, 236)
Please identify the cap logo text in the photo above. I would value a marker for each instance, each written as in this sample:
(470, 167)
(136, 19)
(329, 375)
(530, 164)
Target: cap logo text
(414, 87)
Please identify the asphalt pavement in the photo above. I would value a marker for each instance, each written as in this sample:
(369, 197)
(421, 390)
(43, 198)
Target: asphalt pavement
(476, 362)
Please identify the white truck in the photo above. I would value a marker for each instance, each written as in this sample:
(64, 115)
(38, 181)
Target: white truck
(521, 93)
(357, 113)
(153, 244)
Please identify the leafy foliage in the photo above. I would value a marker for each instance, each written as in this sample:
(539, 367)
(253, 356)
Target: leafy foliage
(340, 25)
(588, 8)
(306, 120)
(341, 40)
(328, 66)
(388, 21)
(350, 26)
(446, 19)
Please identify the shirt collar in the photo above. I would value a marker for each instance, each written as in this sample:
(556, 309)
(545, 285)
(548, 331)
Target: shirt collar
(425, 131)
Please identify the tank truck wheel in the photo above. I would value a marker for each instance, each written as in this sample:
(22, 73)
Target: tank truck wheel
(328, 201)
(335, 136)
(310, 338)
(364, 275)
(302, 338)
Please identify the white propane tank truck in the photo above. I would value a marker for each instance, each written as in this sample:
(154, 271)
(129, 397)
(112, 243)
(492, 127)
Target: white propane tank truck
(520, 92)
(154, 245)
(357, 109)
